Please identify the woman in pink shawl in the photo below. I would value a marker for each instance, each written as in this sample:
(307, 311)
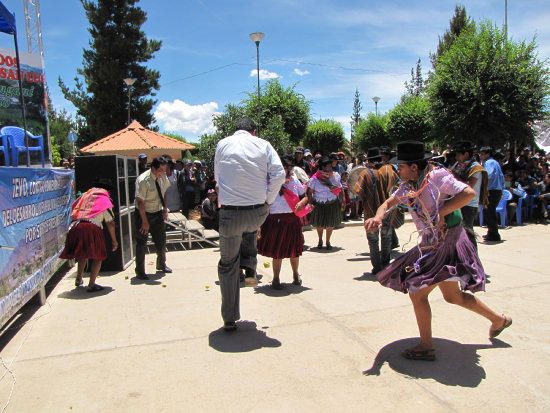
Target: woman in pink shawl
(85, 238)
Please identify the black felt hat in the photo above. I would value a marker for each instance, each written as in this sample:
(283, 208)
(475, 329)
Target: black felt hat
(374, 154)
(411, 151)
(463, 146)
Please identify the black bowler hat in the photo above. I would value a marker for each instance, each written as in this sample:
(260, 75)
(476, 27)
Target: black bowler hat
(410, 151)
(463, 146)
(104, 183)
(374, 154)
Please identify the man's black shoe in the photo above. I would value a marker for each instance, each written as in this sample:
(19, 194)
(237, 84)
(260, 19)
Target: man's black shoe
(229, 326)
(165, 269)
(141, 276)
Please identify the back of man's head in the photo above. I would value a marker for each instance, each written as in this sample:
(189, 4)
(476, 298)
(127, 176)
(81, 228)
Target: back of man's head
(246, 124)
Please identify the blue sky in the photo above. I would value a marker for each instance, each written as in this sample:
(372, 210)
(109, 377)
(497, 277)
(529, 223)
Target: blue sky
(328, 48)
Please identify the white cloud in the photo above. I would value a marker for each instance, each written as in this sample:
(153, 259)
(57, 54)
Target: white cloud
(181, 117)
(301, 72)
(264, 74)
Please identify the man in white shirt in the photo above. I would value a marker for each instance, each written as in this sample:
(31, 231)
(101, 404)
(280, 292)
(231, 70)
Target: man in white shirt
(249, 174)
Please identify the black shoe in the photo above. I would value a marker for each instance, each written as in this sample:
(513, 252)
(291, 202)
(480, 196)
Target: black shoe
(141, 276)
(491, 237)
(166, 269)
(229, 326)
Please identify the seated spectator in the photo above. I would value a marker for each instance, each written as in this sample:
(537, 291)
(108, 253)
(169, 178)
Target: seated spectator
(527, 182)
(209, 211)
(543, 200)
(517, 192)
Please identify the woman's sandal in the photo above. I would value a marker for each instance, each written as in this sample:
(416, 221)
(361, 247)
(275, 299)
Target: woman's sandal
(297, 280)
(320, 244)
(507, 323)
(78, 283)
(425, 355)
(329, 247)
(94, 288)
(276, 285)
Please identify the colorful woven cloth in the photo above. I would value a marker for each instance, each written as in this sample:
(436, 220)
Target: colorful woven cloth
(91, 203)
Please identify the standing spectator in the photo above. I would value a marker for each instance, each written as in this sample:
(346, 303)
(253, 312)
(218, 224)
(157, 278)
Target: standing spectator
(200, 183)
(300, 161)
(209, 211)
(470, 171)
(142, 163)
(152, 212)
(309, 159)
(495, 186)
(325, 190)
(186, 186)
(173, 198)
(241, 165)
(85, 239)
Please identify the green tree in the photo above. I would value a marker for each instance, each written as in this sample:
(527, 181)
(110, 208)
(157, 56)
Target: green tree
(410, 119)
(325, 135)
(488, 89)
(416, 86)
(371, 132)
(118, 49)
(61, 123)
(459, 22)
(276, 101)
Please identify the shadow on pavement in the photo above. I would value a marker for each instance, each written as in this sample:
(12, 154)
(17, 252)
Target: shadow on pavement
(287, 289)
(367, 276)
(456, 365)
(81, 293)
(246, 338)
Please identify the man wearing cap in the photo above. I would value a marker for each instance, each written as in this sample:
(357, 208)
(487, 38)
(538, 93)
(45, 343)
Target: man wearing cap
(151, 209)
(470, 171)
(242, 165)
(374, 186)
(300, 161)
(496, 185)
(186, 187)
(142, 163)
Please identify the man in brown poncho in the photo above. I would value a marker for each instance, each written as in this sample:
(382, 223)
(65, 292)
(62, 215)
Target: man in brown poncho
(374, 186)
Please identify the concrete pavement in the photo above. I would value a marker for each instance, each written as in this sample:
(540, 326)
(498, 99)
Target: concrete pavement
(331, 345)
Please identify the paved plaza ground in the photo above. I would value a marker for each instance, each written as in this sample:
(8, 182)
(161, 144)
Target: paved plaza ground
(331, 345)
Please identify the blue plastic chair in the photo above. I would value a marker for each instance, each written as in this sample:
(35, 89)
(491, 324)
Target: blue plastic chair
(16, 140)
(519, 210)
(4, 149)
(530, 205)
(501, 208)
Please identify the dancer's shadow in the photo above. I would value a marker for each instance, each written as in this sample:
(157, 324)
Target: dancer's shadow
(456, 365)
(81, 293)
(247, 337)
(362, 256)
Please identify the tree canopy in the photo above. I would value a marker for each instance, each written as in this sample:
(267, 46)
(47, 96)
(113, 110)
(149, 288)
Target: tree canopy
(325, 135)
(410, 119)
(371, 132)
(487, 89)
(118, 49)
(289, 106)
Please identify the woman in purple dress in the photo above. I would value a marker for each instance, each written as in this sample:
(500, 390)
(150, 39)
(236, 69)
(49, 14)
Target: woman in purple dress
(444, 256)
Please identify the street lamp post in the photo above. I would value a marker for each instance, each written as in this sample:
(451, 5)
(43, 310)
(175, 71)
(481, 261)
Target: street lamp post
(257, 38)
(129, 82)
(376, 99)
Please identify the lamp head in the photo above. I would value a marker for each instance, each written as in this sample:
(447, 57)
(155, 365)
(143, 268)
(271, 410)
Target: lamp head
(129, 81)
(256, 37)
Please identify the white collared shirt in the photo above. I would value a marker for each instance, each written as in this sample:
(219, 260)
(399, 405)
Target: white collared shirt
(247, 169)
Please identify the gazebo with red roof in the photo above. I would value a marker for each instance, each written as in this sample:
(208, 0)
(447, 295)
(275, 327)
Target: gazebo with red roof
(134, 140)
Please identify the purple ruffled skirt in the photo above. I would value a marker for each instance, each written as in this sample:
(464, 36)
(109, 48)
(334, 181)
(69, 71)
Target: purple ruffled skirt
(454, 259)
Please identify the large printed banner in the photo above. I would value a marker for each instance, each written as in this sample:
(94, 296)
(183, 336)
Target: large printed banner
(31, 72)
(35, 215)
